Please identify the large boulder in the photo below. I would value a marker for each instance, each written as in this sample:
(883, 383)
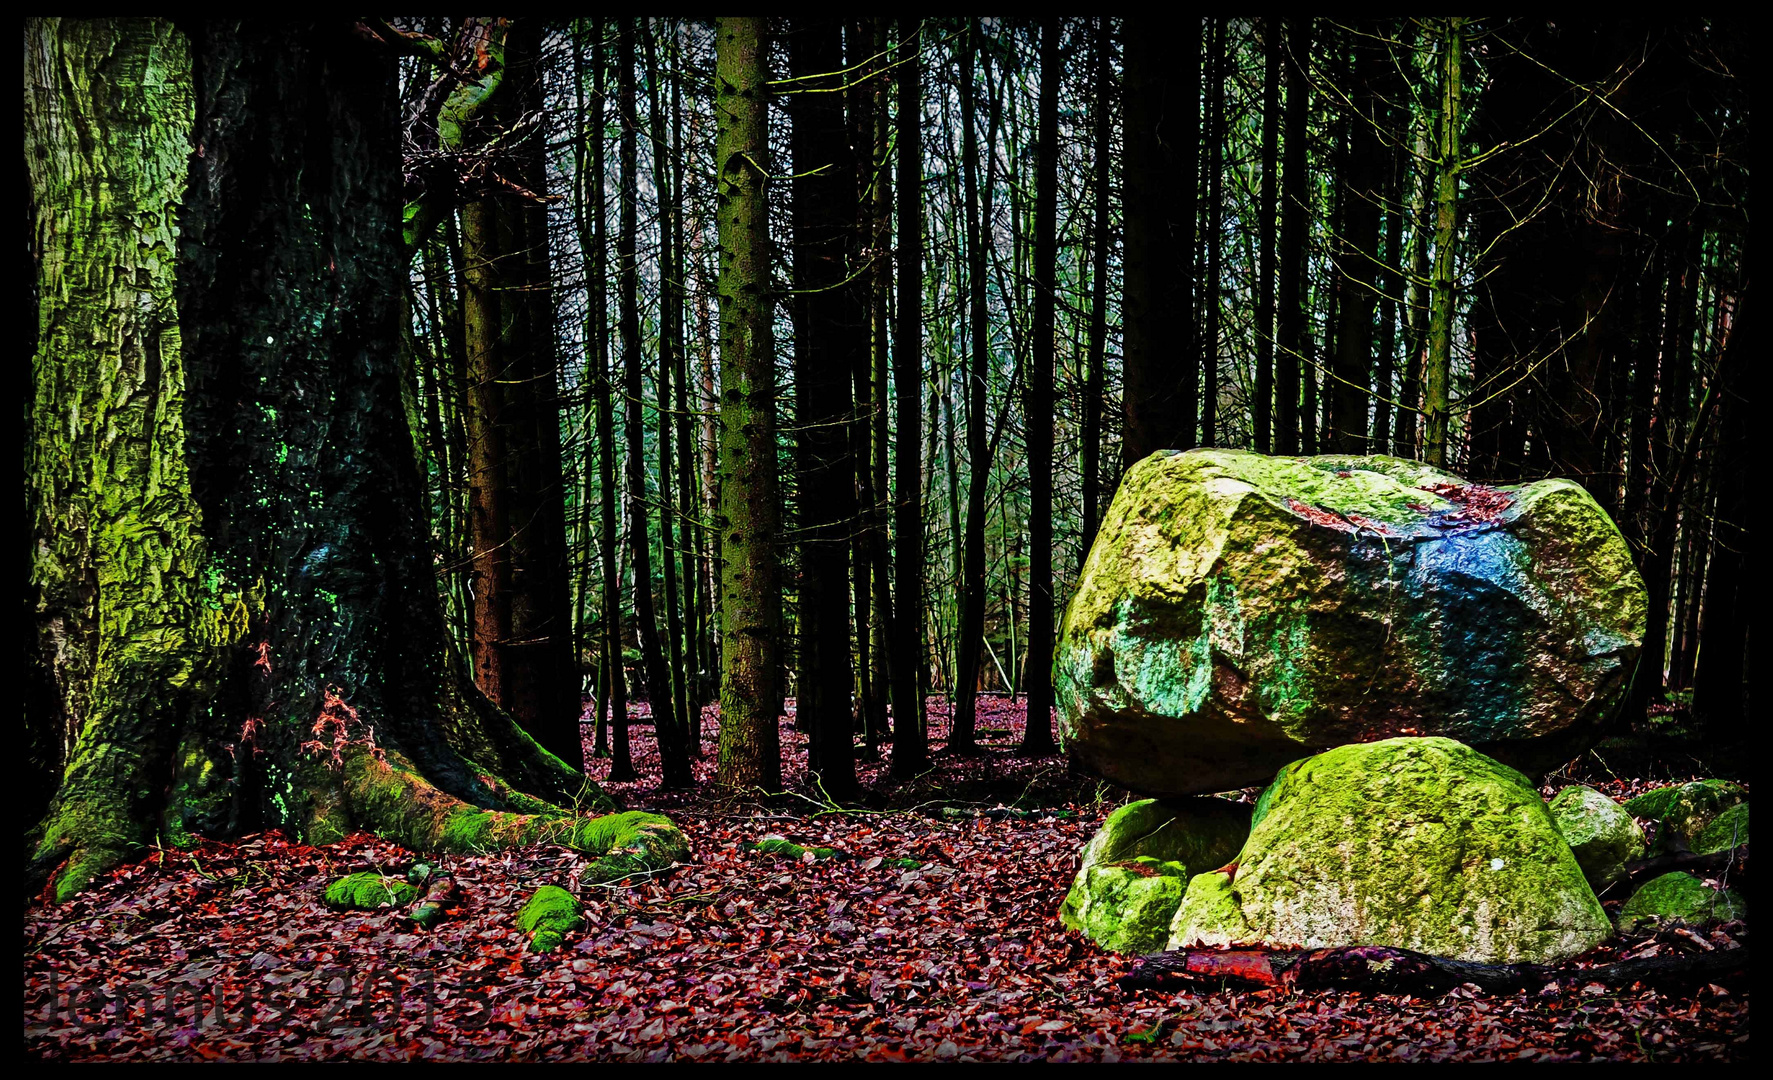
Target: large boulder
(1137, 866)
(1238, 611)
(1601, 834)
(1414, 843)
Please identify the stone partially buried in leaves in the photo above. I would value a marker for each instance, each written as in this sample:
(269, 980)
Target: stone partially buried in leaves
(1600, 832)
(1413, 843)
(1136, 868)
(1686, 809)
(1238, 611)
(1682, 898)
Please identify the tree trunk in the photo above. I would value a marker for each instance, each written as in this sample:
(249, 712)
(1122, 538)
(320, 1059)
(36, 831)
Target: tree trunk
(674, 760)
(909, 749)
(1162, 118)
(1037, 737)
(267, 533)
(670, 352)
(522, 640)
(1290, 318)
(1274, 55)
(978, 214)
(825, 314)
(1214, 227)
(750, 518)
(1360, 197)
(1438, 364)
(1095, 374)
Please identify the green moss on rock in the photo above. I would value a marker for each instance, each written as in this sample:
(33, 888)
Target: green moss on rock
(1729, 829)
(1237, 611)
(368, 891)
(1686, 808)
(1600, 832)
(549, 915)
(1415, 843)
(1680, 897)
(1136, 867)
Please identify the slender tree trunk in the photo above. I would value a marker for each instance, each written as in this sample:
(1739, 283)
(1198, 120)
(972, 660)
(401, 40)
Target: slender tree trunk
(621, 766)
(1720, 691)
(1215, 90)
(750, 516)
(978, 216)
(689, 703)
(825, 313)
(1438, 364)
(1274, 56)
(1038, 736)
(674, 759)
(1356, 279)
(1096, 374)
(670, 348)
(1290, 318)
(909, 750)
(1406, 432)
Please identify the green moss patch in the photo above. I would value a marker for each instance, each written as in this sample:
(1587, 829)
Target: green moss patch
(549, 915)
(1414, 843)
(1681, 898)
(1686, 809)
(368, 891)
(1729, 829)
(776, 845)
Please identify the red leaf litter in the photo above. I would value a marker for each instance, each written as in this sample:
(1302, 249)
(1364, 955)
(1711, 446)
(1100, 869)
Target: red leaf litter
(224, 952)
(1477, 503)
(1318, 516)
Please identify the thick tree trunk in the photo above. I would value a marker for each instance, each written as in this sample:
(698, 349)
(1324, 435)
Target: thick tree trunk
(750, 518)
(1162, 118)
(825, 313)
(286, 667)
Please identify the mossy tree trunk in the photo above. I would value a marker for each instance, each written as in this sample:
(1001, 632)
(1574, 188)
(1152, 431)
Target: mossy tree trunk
(245, 528)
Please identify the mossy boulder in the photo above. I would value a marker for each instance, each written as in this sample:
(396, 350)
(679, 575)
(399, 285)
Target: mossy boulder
(633, 842)
(1414, 843)
(1135, 869)
(1729, 829)
(1600, 832)
(548, 916)
(1238, 611)
(1686, 809)
(1683, 898)
(368, 891)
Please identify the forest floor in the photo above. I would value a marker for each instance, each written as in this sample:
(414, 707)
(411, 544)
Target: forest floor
(745, 955)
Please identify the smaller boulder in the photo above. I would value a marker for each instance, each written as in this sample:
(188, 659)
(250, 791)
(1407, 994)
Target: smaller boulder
(1728, 830)
(1686, 808)
(1601, 833)
(549, 916)
(369, 891)
(1136, 868)
(1679, 897)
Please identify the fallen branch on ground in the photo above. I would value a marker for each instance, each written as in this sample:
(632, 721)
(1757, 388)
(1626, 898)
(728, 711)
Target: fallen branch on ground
(1381, 970)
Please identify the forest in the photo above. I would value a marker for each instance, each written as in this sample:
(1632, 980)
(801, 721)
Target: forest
(652, 538)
